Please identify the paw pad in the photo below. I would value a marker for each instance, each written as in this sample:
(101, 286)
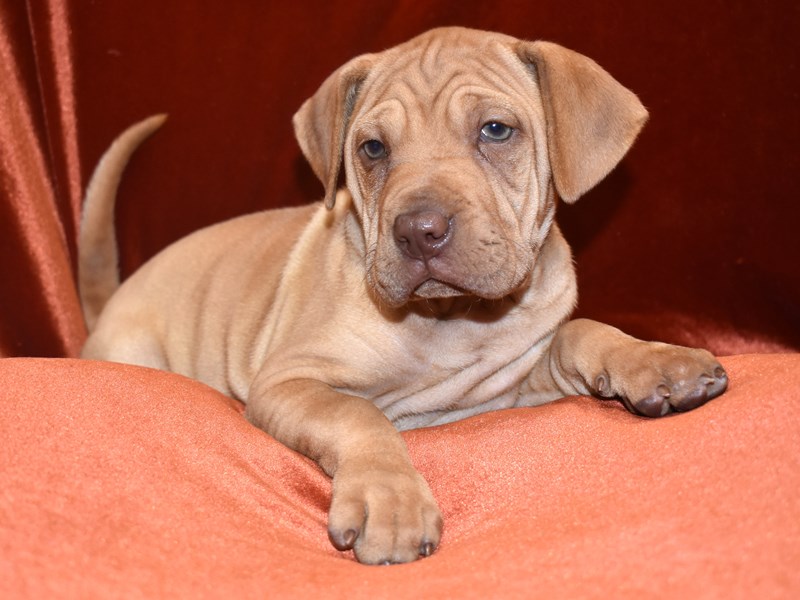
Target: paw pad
(682, 396)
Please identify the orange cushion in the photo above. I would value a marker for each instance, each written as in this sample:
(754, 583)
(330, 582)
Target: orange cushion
(123, 481)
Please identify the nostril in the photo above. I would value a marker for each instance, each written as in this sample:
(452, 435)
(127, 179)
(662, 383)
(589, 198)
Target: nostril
(403, 229)
(432, 224)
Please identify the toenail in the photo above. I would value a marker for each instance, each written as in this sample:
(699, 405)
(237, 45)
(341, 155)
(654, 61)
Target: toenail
(426, 549)
(654, 406)
(349, 537)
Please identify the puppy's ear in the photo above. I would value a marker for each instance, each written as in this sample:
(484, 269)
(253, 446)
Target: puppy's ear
(321, 123)
(592, 120)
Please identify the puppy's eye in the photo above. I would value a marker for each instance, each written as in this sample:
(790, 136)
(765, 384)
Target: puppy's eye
(494, 131)
(374, 149)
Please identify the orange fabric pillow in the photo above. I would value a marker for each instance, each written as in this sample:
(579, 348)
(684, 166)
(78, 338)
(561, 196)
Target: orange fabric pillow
(123, 481)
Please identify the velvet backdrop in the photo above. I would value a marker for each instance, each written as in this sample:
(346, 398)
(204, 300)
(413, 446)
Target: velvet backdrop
(692, 239)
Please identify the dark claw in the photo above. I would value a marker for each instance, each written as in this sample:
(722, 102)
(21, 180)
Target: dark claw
(664, 400)
(708, 387)
(696, 398)
(656, 405)
(343, 541)
(602, 386)
(719, 384)
(426, 549)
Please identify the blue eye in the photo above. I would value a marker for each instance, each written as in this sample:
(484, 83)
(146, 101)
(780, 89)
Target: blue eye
(374, 149)
(494, 131)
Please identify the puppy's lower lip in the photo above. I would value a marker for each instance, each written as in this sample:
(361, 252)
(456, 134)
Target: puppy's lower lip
(435, 288)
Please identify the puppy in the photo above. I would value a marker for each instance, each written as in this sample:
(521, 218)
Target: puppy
(434, 287)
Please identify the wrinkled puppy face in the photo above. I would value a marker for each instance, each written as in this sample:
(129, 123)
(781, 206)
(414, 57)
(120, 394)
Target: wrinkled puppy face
(454, 145)
(446, 160)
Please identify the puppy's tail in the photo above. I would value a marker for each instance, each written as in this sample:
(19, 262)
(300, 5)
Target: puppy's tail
(98, 256)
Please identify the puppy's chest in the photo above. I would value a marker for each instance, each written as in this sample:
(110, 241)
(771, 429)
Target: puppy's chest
(440, 371)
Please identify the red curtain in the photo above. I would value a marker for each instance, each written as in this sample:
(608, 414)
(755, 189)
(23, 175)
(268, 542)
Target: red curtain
(692, 239)
(41, 185)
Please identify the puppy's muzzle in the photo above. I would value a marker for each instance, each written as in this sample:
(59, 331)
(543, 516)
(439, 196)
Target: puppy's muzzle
(422, 235)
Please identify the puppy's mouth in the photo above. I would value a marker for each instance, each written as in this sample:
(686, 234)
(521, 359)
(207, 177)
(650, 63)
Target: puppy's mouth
(420, 286)
(482, 272)
(434, 284)
(433, 288)
(431, 279)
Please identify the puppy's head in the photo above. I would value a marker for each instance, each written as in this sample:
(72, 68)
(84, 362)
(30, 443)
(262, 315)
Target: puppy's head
(454, 145)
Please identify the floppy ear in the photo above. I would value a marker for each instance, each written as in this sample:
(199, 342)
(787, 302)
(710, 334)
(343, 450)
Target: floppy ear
(321, 123)
(592, 120)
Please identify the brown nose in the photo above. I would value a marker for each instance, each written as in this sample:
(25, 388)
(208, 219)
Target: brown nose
(422, 235)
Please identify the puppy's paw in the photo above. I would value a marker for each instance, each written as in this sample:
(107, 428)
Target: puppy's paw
(386, 515)
(658, 379)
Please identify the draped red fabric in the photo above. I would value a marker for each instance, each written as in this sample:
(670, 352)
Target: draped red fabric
(41, 190)
(116, 481)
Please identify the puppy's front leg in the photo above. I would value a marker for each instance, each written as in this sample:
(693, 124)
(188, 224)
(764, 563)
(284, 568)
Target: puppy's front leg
(651, 378)
(381, 506)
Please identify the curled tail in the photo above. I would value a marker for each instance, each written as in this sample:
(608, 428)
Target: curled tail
(98, 256)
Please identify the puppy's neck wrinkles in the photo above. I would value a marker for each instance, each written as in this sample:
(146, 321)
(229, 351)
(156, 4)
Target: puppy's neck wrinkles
(467, 307)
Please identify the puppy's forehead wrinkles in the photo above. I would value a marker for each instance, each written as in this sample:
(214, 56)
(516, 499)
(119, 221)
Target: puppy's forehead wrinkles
(389, 110)
(427, 81)
(430, 59)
